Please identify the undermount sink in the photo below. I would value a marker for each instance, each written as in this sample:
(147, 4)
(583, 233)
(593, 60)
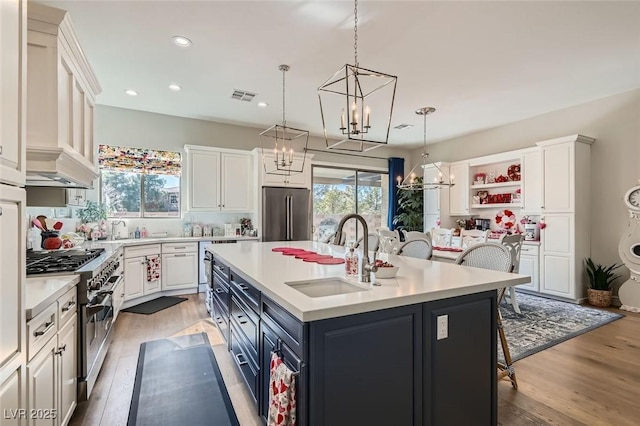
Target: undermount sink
(325, 287)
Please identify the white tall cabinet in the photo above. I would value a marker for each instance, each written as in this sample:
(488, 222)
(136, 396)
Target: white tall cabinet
(565, 209)
(459, 193)
(219, 180)
(13, 351)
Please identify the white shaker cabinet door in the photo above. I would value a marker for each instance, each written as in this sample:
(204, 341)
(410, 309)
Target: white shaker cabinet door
(237, 182)
(135, 273)
(558, 178)
(42, 383)
(12, 265)
(204, 181)
(12, 91)
(180, 271)
(68, 371)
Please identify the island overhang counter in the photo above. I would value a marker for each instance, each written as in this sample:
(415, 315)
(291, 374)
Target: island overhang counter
(420, 349)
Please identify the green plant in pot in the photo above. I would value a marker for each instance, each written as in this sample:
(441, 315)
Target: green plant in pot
(411, 209)
(601, 279)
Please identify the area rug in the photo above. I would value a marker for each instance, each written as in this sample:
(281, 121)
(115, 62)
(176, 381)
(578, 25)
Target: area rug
(155, 305)
(178, 382)
(544, 322)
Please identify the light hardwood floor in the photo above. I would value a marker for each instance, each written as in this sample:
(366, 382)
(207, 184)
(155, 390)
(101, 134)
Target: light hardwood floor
(592, 379)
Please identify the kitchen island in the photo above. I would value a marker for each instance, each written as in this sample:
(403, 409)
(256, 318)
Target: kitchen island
(418, 349)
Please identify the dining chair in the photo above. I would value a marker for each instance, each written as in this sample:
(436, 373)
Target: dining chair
(496, 257)
(514, 244)
(441, 237)
(373, 241)
(420, 248)
(415, 235)
(470, 237)
(388, 240)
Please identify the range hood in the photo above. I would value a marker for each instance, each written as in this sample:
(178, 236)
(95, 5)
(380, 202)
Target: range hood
(62, 167)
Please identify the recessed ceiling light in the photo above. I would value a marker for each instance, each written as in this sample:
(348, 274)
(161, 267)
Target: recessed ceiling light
(174, 87)
(131, 92)
(181, 41)
(263, 104)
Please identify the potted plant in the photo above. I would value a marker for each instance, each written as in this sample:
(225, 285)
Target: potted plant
(411, 210)
(601, 279)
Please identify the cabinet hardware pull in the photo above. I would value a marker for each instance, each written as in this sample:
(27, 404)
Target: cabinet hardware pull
(180, 255)
(58, 352)
(178, 248)
(63, 347)
(243, 287)
(47, 326)
(241, 363)
(68, 307)
(219, 290)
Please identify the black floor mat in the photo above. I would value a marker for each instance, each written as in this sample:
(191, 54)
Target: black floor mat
(155, 305)
(178, 382)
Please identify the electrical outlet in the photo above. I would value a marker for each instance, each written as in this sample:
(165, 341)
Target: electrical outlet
(443, 327)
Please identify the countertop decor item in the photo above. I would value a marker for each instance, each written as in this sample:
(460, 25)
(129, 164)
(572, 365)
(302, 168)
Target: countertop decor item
(360, 128)
(412, 182)
(284, 142)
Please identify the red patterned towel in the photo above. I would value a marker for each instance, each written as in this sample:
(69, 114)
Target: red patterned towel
(282, 394)
(153, 268)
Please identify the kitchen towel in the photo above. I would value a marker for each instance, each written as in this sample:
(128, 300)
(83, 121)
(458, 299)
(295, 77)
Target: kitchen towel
(282, 394)
(153, 268)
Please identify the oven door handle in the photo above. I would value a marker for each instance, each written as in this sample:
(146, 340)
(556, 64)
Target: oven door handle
(94, 309)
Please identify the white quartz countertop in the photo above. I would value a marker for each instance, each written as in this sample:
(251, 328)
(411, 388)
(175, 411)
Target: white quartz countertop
(417, 280)
(43, 291)
(115, 244)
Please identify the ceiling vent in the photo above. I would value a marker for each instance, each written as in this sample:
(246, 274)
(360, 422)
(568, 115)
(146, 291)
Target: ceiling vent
(242, 95)
(403, 126)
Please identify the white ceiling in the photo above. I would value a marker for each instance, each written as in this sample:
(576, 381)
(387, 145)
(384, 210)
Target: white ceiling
(481, 64)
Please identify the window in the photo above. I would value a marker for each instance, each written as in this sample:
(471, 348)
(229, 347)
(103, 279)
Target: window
(140, 182)
(338, 192)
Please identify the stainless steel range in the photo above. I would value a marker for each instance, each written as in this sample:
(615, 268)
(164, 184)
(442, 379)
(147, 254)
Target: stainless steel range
(101, 271)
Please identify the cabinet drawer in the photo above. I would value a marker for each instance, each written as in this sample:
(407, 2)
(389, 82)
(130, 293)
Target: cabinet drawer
(247, 366)
(221, 318)
(67, 306)
(221, 293)
(179, 247)
(146, 250)
(247, 323)
(285, 325)
(41, 328)
(529, 250)
(221, 269)
(245, 291)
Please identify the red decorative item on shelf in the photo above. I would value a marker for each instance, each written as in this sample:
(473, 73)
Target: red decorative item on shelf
(502, 179)
(514, 172)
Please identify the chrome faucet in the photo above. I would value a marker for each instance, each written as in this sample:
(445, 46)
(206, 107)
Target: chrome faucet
(113, 225)
(367, 267)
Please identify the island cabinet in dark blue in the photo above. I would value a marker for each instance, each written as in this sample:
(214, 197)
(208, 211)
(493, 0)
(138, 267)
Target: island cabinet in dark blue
(221, 297)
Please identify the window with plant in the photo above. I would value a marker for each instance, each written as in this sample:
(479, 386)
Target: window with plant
(140, 182)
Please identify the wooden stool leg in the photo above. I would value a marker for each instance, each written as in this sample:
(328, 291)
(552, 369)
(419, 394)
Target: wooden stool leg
(507, 369)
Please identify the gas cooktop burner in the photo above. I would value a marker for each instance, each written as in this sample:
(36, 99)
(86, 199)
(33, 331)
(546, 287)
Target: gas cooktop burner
(51, 262)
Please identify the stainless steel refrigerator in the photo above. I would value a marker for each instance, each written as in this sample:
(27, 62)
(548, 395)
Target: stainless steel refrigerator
(286, 214)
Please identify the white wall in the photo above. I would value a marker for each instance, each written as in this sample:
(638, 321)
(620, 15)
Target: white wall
(615, 156)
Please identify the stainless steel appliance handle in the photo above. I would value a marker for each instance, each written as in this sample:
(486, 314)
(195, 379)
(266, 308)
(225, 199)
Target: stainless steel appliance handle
(94, 309)
(289, 217)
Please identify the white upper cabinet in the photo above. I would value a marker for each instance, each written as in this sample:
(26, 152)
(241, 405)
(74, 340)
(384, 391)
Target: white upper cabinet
(61, 93)
(532, 182)
(459, 193)
(219, 180)
(12, 91)
(558, 178)
(296, 180)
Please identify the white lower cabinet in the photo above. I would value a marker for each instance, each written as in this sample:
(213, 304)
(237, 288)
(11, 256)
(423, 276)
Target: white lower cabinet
(52, 372)
(136, 276)
(530, 265)
(118, 299)
(12, 397)
(179, 266)
(557, 258)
